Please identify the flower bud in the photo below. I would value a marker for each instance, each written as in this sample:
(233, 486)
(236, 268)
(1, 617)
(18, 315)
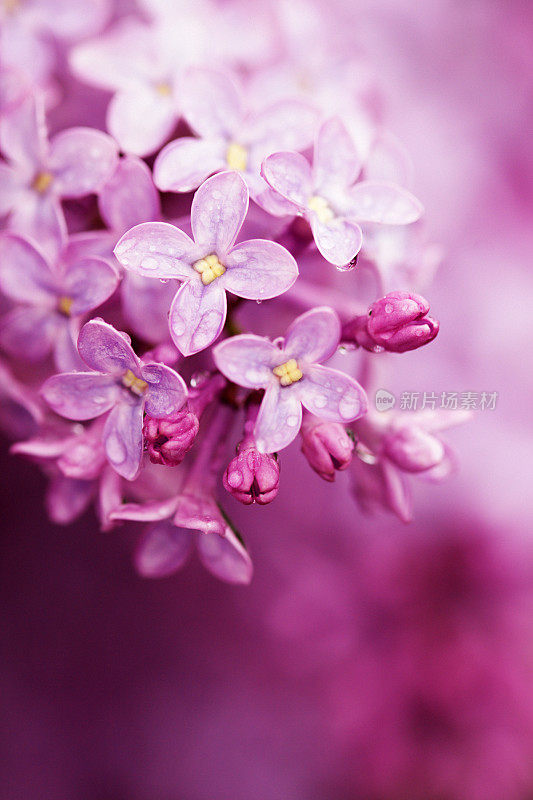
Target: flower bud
(413, 449)
(252, 477)
(169, 440)
(327, 446)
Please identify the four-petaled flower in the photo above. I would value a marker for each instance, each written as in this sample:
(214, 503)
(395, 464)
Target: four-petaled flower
(329, 197)
(211, 264)
(289, 370)
(121, 384)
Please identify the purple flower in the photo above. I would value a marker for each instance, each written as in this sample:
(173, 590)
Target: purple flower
(329, 197)
(291, 373)
(76, 162)
(51, 298)
(169, 440)
(211, 264)
(119, 384)
(229, 138)
(326, 446)
(397, 323)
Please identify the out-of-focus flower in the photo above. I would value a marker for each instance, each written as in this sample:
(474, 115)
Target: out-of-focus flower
(211, 264)
(20, 409)
(228, 136)
(119, 384)
(396, 323)
(327, 446)
(331, 198)
(290, 371)
(51, 299)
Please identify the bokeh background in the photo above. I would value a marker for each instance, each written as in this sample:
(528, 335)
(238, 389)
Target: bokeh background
(368, 659)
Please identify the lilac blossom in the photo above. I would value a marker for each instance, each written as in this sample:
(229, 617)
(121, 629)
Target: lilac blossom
(51, 298)
(327, 446)
(330, 196)
(120, 384)
(228, 137)
(39, 174)
(257, 269)
(291, 373)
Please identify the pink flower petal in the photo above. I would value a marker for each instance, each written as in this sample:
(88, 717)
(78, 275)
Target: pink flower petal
(199, 512)
(285, 125)
(25, 274)
(290, 175)
(109, 496)
(157, 250)
(184, 164)
(259, 269)
(385, 203)
(145, 305)
(63, 19)
(166, 393)
(41, 218)
(335, 160)
(247, 360)
(141, 119)
(146, 512)
(23, 134)
(67, 499)
(28, 332)
(123, 440)
(13, 186)
(339, 241)
(225, 557)
(331, 395)
(104, 349)
(66, 356)
(211, 103)
(279, 418)
(218, 211)
(162, 550)
(40, 447)
(397, 492)
(82, 159)
(197, 316)
(88, 283)
(80, 395)
(313, 336)
(129, 196)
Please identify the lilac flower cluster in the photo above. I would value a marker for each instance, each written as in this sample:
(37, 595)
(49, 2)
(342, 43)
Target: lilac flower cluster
(133, 344)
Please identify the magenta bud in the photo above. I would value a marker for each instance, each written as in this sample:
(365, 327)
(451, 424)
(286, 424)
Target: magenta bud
(327, 446)
(413, 449)
(398, 322)
(252, 477)
(168, 441)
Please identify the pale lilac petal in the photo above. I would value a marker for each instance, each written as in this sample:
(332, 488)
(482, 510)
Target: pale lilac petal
(199, 512)
(106, 350)
(247, 360)
(123, 439)
(82, 159)
(13, 186)
(197, 316)
(313, 336)
(141, 119)
(63, 19)
(146, 512)
(211, 103)
(339, 241)
(218, 211)
(335, 160)
(166, 393)
(162, 550)
(157, 250)
(88, 243)
(279, 418)
(259, 269)
(83, 458)
(386, 203)
(331, 395)
(397, 492)
(145, 305)
(225, 557)
(388, 160)
(286, 125)
(184, 164)
(88, 283)
(129, 196)
(23, 137)
(290, 175)
(80, 395)
(25, 274)
(109, 496)
(40, 217)
(66, 356)
(67, 498)
(27, 332)
(40, 447)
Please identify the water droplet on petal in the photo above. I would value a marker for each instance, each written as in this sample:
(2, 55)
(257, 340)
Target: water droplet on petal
(258, 302)
(321, 401)
(292, 421)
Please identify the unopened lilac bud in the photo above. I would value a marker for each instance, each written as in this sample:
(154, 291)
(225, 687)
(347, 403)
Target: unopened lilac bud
(413, 449)
(168, 441)
(252, 477)
(398, 322)
(326, 445)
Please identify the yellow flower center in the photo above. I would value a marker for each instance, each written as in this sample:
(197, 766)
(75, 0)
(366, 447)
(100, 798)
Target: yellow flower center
(288, 373)
(134, 384)
(164, 89)
(209, 268)
(64, 304)
(321, 208)
(42, 181)
(237, 157)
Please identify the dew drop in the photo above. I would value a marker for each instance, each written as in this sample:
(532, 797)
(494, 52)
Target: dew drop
(164, 280)
(258, 302)
(292, 421)
(321, 401)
